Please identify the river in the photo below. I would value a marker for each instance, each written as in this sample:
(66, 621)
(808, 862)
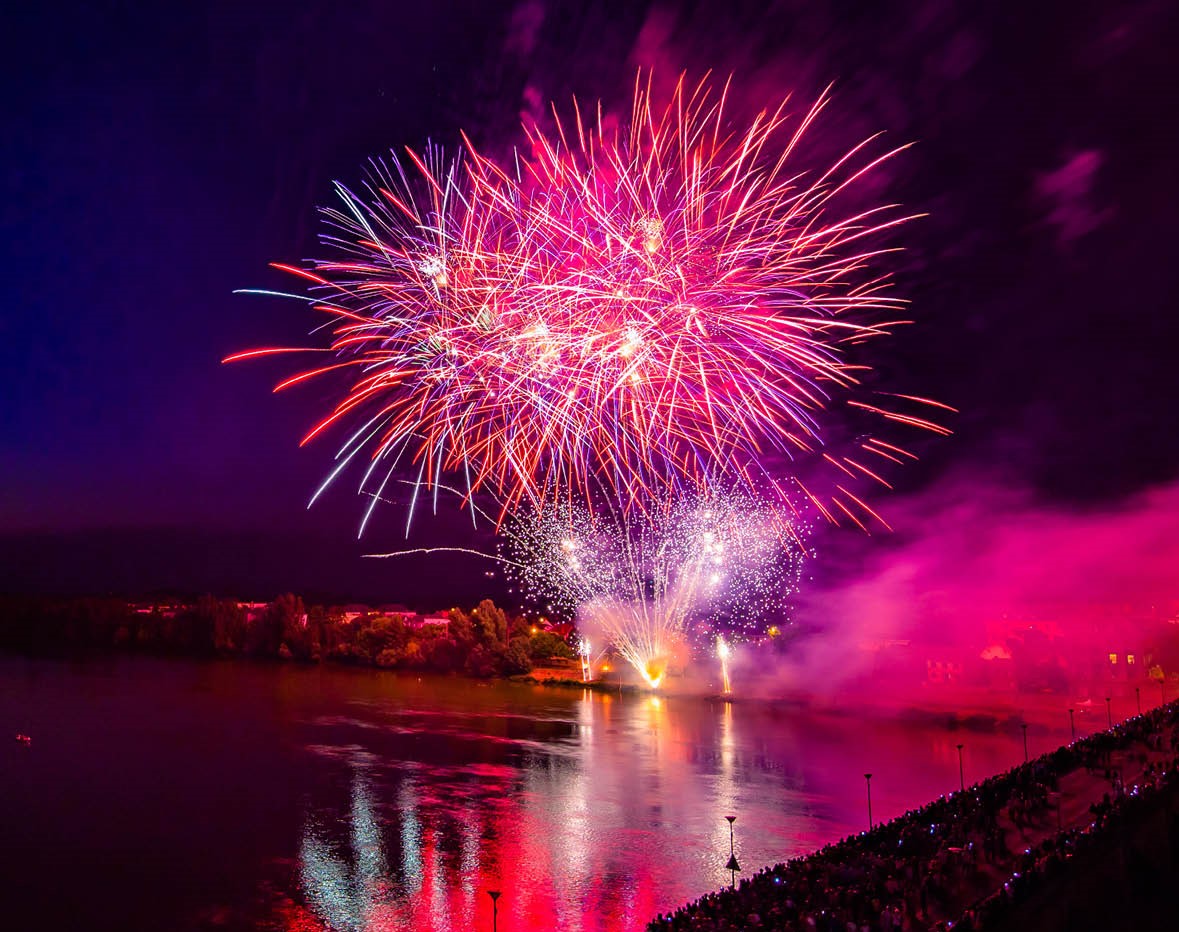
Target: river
(177, 795)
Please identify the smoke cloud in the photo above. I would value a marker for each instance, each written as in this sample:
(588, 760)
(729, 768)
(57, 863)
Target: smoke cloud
(973, 563)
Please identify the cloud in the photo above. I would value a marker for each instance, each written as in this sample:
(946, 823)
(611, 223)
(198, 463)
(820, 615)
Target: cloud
(1068, 198)
(524, 28)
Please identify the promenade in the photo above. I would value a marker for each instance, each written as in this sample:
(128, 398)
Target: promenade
(968, 860)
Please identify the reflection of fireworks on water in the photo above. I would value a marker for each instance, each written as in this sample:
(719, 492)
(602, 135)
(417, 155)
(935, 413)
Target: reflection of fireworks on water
(640, 579)
(723, 652)
(346, 896)
(637, 305)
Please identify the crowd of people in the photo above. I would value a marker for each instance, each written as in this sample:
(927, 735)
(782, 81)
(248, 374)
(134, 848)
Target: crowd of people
(938, 867)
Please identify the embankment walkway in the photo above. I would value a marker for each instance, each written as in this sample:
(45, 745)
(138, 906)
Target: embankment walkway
(974, 859)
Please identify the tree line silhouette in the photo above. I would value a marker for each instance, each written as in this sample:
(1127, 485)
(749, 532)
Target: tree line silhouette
(482, 642)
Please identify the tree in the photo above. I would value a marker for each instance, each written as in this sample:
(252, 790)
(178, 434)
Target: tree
(229, 623)
(491, 624)
(516, 658)
(521, 627)
(378, 634)
(265, 635)
(462, 629)
(413, 655)
(334, 634)
(443, 654)
(545, 644)
(481, 662)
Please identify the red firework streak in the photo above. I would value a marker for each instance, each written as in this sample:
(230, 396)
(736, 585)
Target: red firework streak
(635, 307)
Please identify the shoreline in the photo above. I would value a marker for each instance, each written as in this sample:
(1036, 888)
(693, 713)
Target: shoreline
(994, 851)
(1005, 712)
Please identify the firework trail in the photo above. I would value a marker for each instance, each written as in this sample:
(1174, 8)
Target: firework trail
(585, 655)
(641, 308)
(723, 653)
(640, 578)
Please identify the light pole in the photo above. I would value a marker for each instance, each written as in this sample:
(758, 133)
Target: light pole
(1163, 691)
(1072, 725)
(1024, 726)
(868, 780)
(1138, 698)
(732, 867)
(494, 894)
(961, 771)
(1109, 711)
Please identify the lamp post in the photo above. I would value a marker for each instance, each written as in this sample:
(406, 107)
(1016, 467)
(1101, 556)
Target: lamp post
(494, 894)
(1138, 698)
(1024, 726)
(1072, 724)
(868, 780)
(1163, 691)
(961, 771)
(1109, 711)
(732, 867)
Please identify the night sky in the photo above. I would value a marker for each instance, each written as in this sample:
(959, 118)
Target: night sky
(156, 158)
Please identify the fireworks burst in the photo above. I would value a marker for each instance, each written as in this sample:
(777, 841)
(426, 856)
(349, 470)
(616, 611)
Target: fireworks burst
(640, 579)
(638, 308)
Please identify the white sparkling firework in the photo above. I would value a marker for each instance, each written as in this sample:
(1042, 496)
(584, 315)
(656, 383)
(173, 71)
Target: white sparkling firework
(644, 580)
(723, 653)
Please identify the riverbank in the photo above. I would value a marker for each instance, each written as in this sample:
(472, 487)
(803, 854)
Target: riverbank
(482, 643)
(993, 856)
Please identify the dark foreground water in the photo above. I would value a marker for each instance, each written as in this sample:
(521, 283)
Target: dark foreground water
(168, 795)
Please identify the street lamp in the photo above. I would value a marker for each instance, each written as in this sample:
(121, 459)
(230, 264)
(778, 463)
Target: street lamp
(732, 867)
(1072, 724)
(1138, 698)
(868, 780)
(1108, 711)
(494, 894)
(961, 771)
(1024, 726)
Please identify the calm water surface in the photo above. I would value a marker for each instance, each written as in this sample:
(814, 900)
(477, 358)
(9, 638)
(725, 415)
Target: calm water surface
(161, 795)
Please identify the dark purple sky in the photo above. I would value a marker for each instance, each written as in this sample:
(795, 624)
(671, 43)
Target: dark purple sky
(157, 157)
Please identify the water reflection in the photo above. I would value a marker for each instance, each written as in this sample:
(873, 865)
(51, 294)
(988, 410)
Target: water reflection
(343, 890)
(595, 818)
(374, 802)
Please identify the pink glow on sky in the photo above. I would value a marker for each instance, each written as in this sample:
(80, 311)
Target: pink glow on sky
(972, 559)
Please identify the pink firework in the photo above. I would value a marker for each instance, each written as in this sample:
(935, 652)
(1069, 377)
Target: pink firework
(635, 308)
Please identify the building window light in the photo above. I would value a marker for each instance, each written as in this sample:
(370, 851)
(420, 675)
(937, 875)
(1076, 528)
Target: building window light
(1113, 658)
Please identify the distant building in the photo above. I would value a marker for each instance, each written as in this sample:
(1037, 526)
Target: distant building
(253, 610)
(434, 620)
(945, 666)
(163, 609)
